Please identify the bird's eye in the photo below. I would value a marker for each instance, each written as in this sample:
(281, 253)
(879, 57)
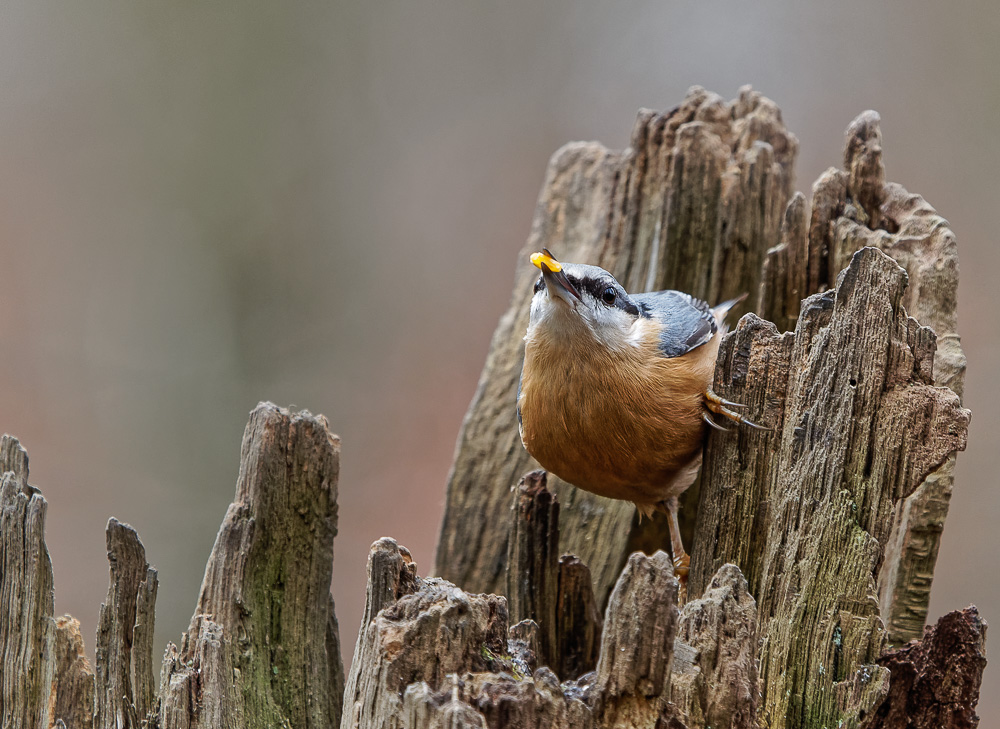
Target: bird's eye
(609, 296)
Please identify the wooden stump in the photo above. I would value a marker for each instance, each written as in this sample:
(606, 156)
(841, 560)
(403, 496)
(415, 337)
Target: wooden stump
(813, 548)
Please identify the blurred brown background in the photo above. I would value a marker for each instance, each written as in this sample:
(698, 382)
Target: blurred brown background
(320, 204)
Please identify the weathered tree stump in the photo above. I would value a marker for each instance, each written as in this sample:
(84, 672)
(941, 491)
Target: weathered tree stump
(813, 546)
(435, 655)
(835, 515)
(263, 649)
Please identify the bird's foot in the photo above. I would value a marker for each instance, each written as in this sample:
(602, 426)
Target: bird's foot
(682, 566)
(719, 406)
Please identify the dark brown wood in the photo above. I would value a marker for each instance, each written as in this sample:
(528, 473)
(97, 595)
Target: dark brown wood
(578, 620)
(125, 696)
(935, 681)
(556, 595)
(533, 562)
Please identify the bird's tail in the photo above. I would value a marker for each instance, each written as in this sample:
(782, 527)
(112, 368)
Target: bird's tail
(719, 311)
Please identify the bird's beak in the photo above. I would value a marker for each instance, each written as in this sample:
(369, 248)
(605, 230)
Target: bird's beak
(555, 278)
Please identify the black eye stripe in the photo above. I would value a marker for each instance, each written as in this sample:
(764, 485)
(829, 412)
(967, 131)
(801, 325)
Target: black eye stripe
(596, 288)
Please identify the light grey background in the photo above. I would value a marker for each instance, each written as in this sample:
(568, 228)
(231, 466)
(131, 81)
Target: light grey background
(320, 204)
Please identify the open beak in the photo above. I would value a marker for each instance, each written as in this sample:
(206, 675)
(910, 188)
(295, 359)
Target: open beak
(555, 279)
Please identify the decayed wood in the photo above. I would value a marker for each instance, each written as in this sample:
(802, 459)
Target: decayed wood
(522, 642)
(533, 562)
(858, 425)
(834, 515)
(421, 636)
(578, 620)
(27, 625)
(693, 204)
(715, 655)
(72, 699)
(434, 655)
(855, 371)
(262, 648)
(125, 691)
(427, 709)
(853, 208)
(935, 681)
(556, 595)
(633, 671)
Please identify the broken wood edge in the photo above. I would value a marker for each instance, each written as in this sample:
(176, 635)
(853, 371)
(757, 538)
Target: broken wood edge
(27, 624)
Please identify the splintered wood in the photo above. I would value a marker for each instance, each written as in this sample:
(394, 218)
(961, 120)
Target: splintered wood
(813, 544)
(124, 676)
(265, 614)
(835, 515)
(437, 656)
(27, 625)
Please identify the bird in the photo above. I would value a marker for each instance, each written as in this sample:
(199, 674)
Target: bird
(615, 392)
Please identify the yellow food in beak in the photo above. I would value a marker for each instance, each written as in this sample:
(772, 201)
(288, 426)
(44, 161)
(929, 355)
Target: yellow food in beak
(546, 258)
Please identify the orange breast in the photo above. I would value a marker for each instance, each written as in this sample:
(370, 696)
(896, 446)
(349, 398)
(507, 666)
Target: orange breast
(622, 424)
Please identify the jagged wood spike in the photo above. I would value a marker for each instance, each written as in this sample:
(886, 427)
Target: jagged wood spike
(27, 624)
(533, 562)
(265, 613)
(124, 666)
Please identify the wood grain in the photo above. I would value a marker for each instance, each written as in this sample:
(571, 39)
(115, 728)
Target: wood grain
(262, 648)
(27, 624)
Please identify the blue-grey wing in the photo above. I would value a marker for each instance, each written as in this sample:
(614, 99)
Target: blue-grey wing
(686, 322)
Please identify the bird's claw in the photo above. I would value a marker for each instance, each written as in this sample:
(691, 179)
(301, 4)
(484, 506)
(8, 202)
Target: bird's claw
(722, 407)
(708, 419)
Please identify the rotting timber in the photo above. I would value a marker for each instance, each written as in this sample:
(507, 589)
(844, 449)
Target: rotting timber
(813, 545)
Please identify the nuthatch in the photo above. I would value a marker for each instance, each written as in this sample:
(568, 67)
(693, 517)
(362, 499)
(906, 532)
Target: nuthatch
(615, 391)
